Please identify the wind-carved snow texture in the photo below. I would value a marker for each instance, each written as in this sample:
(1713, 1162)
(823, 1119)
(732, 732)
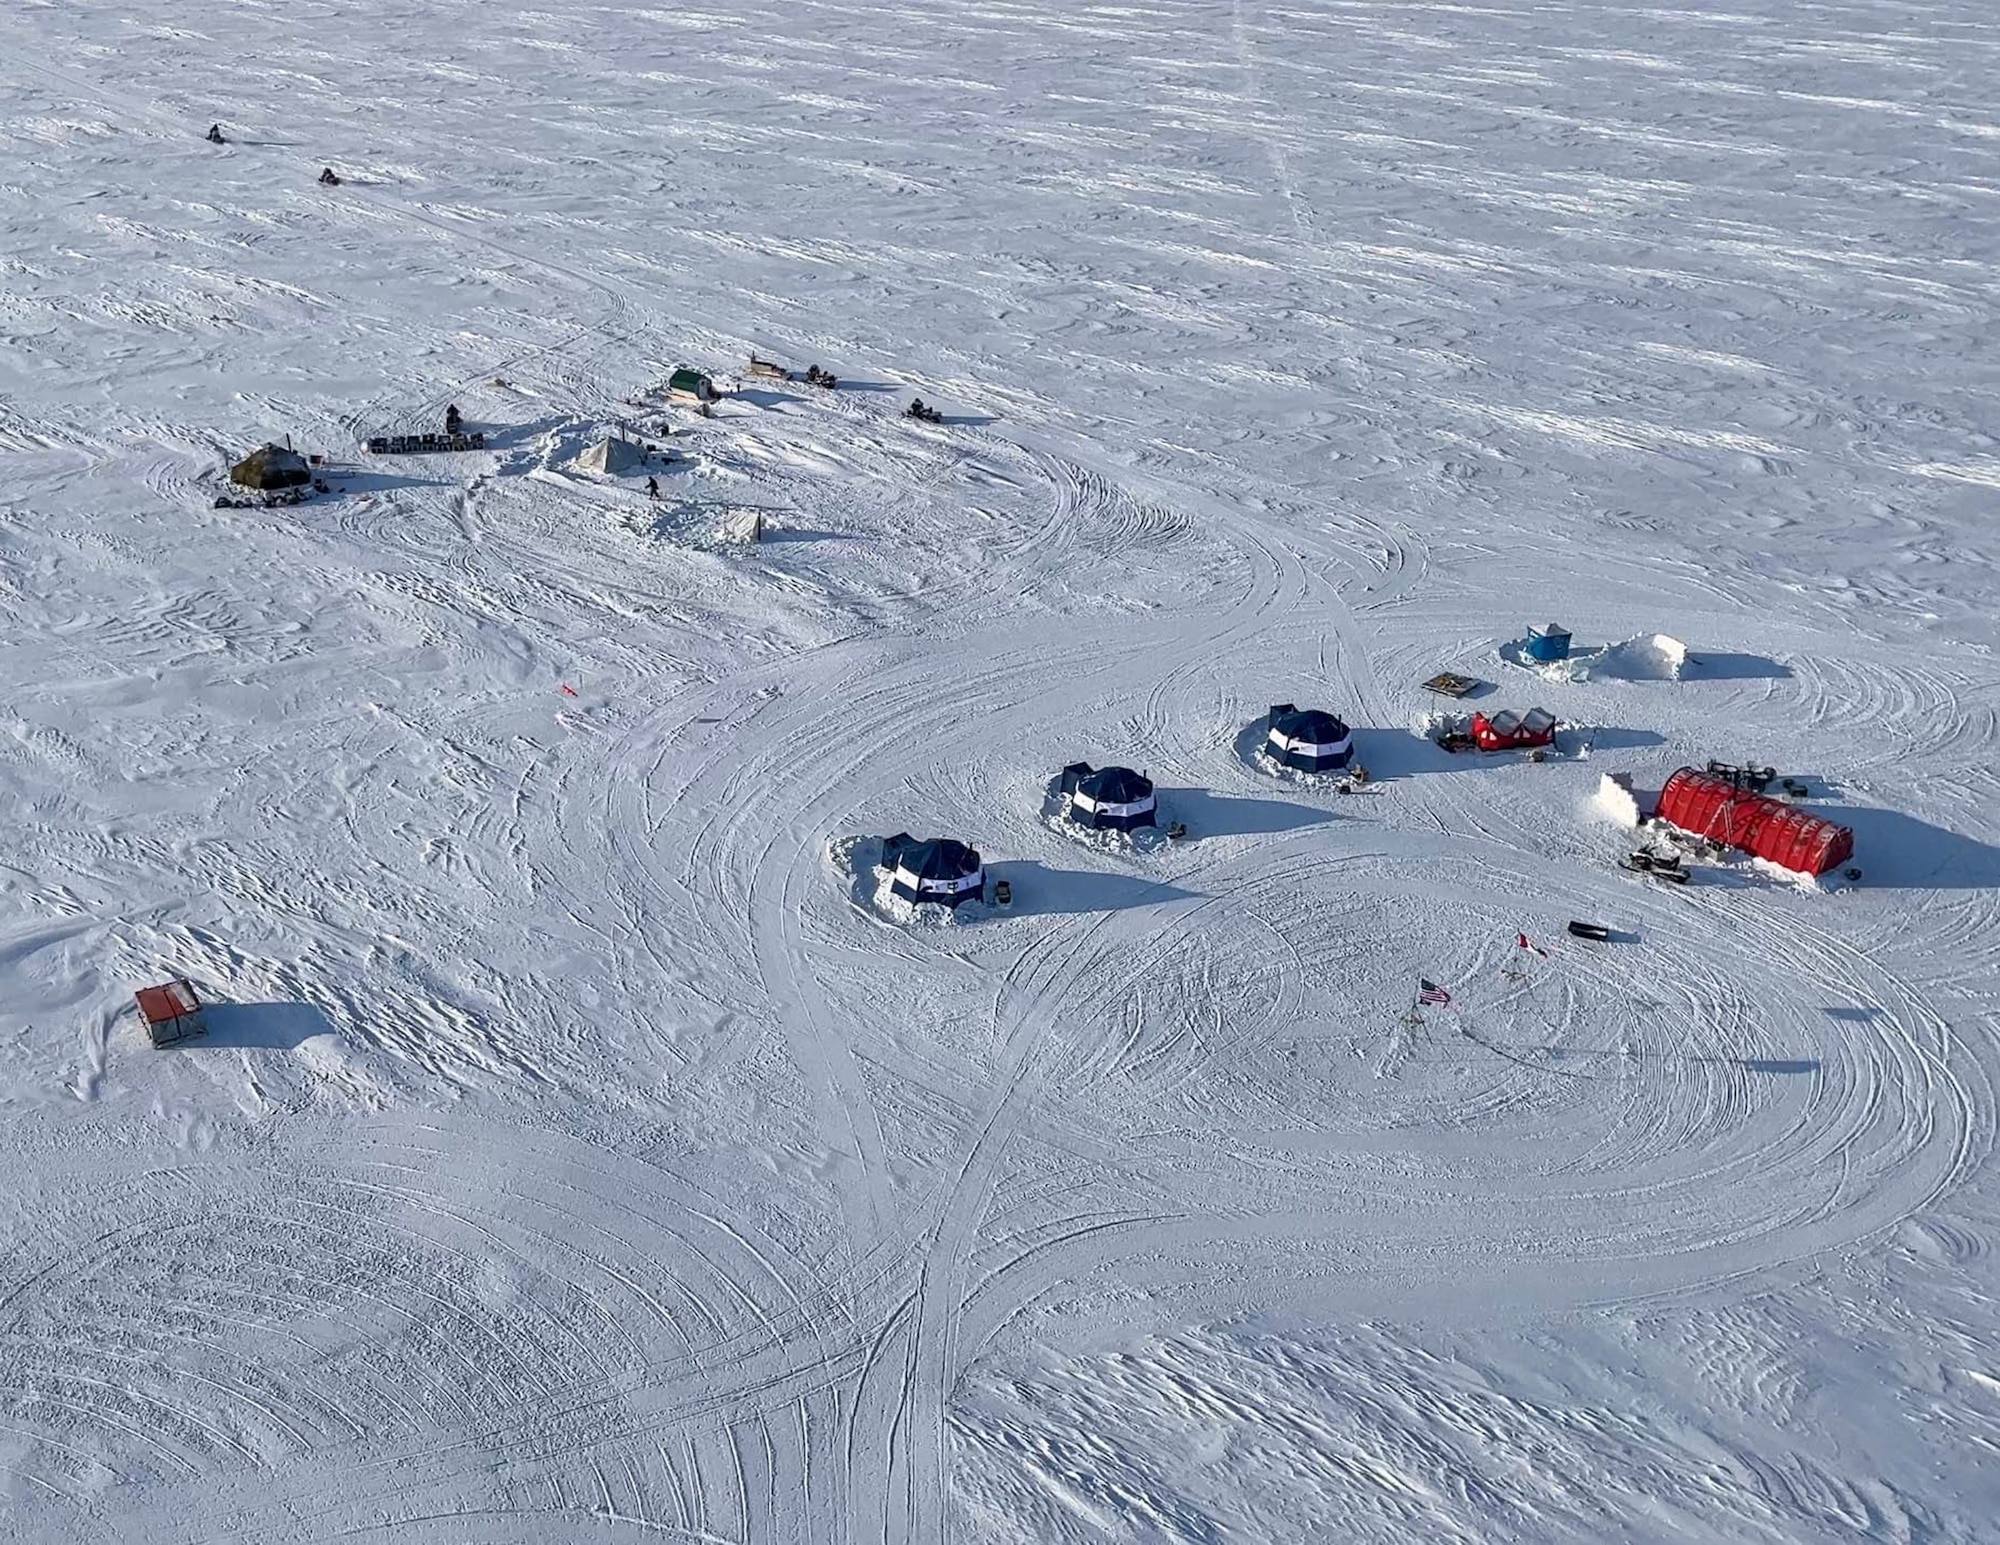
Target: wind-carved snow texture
(572, 1159)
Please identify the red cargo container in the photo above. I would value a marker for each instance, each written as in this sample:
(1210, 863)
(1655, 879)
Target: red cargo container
(1708, 806)
(172, 1011)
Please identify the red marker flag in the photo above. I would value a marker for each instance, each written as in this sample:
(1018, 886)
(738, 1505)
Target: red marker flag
(569, 690)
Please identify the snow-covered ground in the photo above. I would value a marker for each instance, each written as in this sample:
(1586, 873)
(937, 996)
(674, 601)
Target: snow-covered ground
(573, 1159)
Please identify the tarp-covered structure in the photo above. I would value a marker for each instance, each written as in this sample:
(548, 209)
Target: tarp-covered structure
(613, 457)
(271, 468)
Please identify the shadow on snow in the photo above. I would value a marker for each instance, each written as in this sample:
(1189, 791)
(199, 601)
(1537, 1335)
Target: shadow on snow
(1039, 889)
(279, 1026)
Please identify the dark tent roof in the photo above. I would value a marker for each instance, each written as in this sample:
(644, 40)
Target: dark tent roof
(1115, 786)
(1312, 725)
(271, 466)
(940, 858)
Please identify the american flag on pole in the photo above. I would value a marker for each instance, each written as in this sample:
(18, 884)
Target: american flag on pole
(1429, 992)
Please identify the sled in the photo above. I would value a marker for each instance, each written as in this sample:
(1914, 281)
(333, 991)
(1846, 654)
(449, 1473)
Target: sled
(1597, 931)
(1456, 741)
(1451, 684)
(768, 370)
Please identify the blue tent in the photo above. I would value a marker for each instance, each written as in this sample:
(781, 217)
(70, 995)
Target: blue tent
(1109, 798)
(940, 870)
(1308, 740)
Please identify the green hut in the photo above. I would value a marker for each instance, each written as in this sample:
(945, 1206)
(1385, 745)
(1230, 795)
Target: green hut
(686, 385)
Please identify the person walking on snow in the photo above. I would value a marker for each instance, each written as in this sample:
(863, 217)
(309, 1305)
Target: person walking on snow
(652, 488)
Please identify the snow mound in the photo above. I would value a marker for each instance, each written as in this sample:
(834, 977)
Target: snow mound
(1615, 802)
(1147, 839)
(1647, 657)
(1651, 657)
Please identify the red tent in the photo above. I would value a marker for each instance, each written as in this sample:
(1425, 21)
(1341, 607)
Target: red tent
(1709, 806)
(1510, 731)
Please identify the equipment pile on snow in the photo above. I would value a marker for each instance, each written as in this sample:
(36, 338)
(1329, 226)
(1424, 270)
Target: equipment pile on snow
(1451, 684)
(425, 445)
(1755, 779)
(1715, 808)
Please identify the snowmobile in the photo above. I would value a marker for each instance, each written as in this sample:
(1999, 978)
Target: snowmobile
(452, 421)
(328, 177)
(1661, 866)
(818, 377)
(920, 410)
(214, 135)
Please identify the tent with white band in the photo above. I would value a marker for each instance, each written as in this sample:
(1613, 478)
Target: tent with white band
(1308, 740)
(1109, 798)
(939, 870)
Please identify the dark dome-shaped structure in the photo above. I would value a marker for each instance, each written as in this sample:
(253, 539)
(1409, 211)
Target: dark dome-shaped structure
(1109, 798)
(939, 870)
(1309, 739)
(270, 468)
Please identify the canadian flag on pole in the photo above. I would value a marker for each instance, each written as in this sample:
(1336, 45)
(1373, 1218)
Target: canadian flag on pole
(1527, 946)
